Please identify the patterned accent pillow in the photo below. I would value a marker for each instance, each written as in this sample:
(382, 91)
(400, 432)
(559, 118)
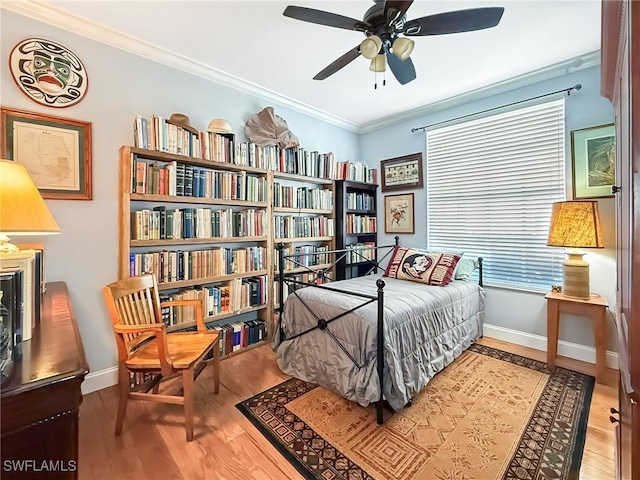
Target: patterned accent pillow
(420, 266)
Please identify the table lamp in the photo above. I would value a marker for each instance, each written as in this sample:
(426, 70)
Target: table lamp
(22, 209)
(575, 224)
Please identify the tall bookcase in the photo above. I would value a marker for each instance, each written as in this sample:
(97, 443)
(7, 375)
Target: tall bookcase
(227, 256)
(303, 220)
(356, 226)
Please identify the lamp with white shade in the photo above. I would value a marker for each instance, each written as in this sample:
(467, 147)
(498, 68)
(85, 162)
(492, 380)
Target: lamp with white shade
(575, 224)
(22, 209)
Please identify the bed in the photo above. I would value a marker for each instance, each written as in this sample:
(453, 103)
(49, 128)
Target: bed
(373, 339)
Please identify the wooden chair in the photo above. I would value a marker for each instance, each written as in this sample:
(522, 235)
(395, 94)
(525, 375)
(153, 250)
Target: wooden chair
(144, 346)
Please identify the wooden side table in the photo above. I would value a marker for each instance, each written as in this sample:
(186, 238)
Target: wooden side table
(596, 308)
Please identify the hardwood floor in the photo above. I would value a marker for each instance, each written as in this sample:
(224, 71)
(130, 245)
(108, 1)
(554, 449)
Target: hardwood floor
(227, 446)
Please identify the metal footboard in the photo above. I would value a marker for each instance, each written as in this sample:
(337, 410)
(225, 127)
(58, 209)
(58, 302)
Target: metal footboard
(320, 277)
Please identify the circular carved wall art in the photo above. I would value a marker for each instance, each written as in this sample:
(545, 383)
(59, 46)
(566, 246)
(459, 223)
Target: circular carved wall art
(48, 73)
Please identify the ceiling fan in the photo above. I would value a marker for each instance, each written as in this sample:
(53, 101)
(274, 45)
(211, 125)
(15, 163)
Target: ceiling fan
(386, 29)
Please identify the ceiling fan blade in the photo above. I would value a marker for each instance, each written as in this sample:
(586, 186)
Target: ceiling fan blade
(325, 18)
(341, 62)
(394, 10)
(454, 22)
(403, 70)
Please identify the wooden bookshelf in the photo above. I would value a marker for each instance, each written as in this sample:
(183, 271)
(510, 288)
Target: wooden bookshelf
(130, 201)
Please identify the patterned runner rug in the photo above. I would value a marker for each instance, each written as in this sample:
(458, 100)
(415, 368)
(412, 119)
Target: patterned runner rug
(489, 415)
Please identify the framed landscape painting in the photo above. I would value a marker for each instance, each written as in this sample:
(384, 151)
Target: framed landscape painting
(593, 161)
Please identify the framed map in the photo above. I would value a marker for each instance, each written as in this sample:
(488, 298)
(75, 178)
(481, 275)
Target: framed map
(55, 151)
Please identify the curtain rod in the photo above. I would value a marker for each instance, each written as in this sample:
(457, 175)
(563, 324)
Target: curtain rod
(576, 87)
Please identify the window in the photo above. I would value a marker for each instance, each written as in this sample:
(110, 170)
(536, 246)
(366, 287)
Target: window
(490, 186)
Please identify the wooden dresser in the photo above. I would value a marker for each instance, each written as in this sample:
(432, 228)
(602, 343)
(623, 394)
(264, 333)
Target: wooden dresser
(40, 402)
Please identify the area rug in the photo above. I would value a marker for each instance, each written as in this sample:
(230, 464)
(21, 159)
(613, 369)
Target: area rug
(489, 415)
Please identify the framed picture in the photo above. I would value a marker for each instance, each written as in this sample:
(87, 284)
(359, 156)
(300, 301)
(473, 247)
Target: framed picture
(398, 213)
(55, 151)
(593, 161)
(402, 173)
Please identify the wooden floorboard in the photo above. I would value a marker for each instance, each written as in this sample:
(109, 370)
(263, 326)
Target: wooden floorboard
(227, 446)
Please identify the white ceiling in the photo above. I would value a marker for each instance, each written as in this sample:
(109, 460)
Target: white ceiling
(253, 41)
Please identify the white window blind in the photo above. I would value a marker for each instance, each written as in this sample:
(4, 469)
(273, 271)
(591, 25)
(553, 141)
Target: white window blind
(490, 186)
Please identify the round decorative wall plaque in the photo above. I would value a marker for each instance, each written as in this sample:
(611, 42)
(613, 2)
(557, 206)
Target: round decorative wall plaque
(48, 73)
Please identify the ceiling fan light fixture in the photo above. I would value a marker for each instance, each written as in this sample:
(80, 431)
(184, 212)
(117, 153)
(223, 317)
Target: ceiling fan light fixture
(402, 47)
(378, 63)
(370, 47)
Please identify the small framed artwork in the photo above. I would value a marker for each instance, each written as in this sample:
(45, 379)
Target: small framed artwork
(55, 151)
(402, 173)
(398, 213)
(593, 161)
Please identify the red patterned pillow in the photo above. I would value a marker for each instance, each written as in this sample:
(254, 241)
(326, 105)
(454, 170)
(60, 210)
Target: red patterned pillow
(420, 266)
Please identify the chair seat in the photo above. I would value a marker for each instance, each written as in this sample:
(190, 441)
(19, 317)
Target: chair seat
(184, 349)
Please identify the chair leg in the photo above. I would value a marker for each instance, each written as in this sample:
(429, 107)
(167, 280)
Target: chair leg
(123, 392)
(187, 385)
(216, 367)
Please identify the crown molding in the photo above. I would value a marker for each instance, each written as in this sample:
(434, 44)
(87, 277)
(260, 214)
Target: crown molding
(61, 18)
(575, 64)
(58, 17)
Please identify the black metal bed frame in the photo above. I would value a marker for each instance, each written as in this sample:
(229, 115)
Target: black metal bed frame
(285, 281)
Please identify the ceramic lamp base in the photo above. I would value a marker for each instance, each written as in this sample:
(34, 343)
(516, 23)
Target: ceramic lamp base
(576, 277)
(5, 246)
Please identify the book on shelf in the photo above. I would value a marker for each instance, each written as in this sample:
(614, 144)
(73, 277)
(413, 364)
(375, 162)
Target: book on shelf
(24, 261)
(289, 226)
(155, 133)
(184, 180)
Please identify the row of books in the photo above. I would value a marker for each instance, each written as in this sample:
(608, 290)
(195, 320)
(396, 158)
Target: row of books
(178, 265)
(167, 224)
(317, 278)
(302, 256)
(361, 224)
(156, 134)
(178, 179)
(360, 201)
(232, 296)
(238, 335)
(288, 226)
(361, 252)
(302, 197)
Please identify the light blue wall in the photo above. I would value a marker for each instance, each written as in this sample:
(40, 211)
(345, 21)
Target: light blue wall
(121, 86)
(525, 312)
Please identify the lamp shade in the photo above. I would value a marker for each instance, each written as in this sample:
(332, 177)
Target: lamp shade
(575, 224)
(402, 47)
(378, 64)
(370, 47)
(22, 209)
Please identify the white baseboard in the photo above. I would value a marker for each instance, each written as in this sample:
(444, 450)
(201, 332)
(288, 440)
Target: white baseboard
(109, 376)
(101, 379)
(538, 342)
